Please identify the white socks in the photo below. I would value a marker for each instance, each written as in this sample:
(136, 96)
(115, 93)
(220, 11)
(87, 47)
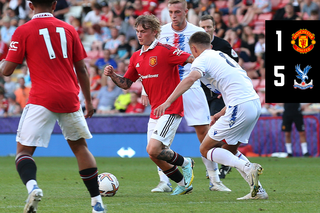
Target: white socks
(304, 147)
(162, 176)
(185, 162)
(289, 148)
(244, 175)
(96, 199)
(212, 169)
(30, 184)
(226, 158)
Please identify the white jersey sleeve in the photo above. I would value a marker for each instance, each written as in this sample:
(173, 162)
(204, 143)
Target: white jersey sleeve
(222, 73)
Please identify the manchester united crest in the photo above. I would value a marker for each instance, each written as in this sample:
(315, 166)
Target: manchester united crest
(303, 41)
(153, 61)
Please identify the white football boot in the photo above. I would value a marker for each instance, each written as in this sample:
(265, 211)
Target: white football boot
(218, 186)
(162, 187)
(33, 199)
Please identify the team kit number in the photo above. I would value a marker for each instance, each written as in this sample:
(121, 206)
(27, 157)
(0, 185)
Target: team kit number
(291, 61)
(45, 34)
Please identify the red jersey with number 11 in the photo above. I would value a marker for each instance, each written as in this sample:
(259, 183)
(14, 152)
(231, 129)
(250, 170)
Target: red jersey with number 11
(50, 47)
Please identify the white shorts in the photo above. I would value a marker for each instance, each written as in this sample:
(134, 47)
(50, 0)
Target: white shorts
(196, 109)
(164, 129)
(237, 123)
(37, 123)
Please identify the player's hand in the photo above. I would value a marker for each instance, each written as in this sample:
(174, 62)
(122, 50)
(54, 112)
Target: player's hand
(108, 70)
(215, 118)
(144, 100)
(159, 111)
(89, 110)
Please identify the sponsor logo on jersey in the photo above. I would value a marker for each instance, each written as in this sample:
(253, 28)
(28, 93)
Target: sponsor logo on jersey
(153, 61)
(13, 45)
(302, 75)
(303, 41)
(138, 65)
(148, 76)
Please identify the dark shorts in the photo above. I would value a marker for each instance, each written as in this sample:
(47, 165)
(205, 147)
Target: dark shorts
(215, 105)
(287, 121)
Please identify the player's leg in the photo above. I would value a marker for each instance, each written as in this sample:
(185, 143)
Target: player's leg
(242, 119)
(303, 143)
(168, 160)
(286, 127)
(75, 130)
(298, 121)
(88, 171)
(197, 115)
(262, 194)
(35, 128)
(164, 184)
(215, 106)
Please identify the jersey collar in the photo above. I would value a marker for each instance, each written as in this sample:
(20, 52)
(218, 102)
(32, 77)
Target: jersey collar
(42, 15)
(152, 46)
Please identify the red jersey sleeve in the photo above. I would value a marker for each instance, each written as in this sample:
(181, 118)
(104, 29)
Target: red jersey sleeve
(177, 56)
(78, 49)
(132, 73)
(17, 47)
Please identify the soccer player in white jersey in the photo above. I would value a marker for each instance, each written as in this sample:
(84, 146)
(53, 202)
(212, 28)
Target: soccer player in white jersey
(197, 114)
(235, 122)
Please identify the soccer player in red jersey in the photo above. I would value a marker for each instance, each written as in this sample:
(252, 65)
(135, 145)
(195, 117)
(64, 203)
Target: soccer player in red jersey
(52, 49)
(157, 66)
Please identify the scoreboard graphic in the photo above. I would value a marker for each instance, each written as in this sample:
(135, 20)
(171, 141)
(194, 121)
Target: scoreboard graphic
(292, 61)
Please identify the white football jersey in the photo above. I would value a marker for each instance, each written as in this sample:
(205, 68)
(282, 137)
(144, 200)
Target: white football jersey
(220, 72)
(180, 40)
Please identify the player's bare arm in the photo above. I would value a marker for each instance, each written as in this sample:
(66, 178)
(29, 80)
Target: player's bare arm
(119, 80)
(182, 87)
(190, 59)
(7, 67)
(84, 82)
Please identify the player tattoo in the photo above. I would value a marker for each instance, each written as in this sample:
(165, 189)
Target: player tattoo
(122, 82)
(166, 154)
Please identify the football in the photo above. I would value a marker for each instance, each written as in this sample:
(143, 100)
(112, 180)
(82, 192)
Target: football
(108, 184)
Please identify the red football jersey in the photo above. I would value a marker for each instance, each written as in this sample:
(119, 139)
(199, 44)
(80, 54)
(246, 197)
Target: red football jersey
(50, 47)
(157, 67)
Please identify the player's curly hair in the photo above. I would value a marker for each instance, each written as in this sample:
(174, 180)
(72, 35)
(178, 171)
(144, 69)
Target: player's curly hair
(46, 3)
(149, 22)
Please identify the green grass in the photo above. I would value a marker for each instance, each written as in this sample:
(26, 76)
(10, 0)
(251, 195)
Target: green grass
(292, 184)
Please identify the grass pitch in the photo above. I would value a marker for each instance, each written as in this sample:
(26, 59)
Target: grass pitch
(292, 184)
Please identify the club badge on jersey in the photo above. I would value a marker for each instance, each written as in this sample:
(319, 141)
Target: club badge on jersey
(290, 54)
(153, 61)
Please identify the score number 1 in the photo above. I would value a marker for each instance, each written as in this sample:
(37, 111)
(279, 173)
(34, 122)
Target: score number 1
(276, 69)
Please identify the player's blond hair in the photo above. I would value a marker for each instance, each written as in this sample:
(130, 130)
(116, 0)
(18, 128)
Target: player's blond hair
(149, 22)
(184, 3)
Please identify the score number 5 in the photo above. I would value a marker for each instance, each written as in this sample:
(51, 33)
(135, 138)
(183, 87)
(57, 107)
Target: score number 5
(278, 83)
(276, 69)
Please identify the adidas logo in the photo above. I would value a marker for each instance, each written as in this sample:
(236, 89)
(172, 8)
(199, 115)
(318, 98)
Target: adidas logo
(138, 65)
(155, 132)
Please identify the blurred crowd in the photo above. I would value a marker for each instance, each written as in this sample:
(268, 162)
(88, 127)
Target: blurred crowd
(106, 29)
